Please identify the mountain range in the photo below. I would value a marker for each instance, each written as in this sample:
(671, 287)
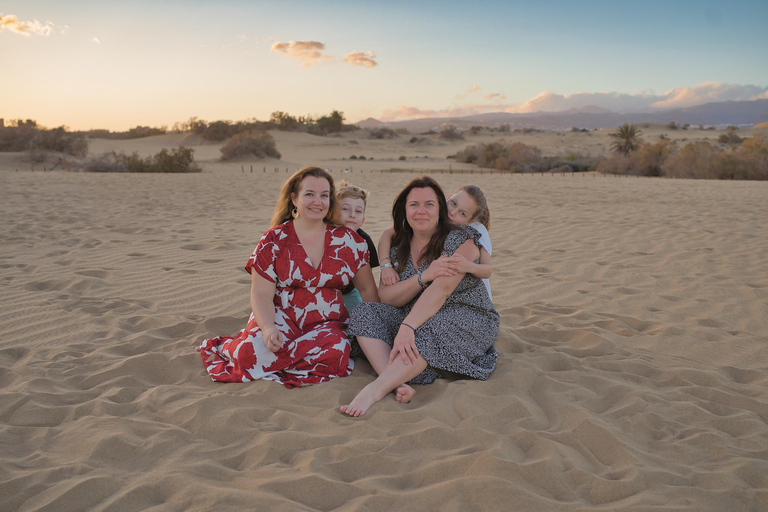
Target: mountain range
(719, 114)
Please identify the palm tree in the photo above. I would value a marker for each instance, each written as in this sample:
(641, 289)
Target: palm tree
(626, 139)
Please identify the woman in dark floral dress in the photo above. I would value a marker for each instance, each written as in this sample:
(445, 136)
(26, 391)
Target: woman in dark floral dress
(435, 317)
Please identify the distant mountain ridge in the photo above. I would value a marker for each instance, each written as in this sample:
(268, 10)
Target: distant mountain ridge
(743, 113)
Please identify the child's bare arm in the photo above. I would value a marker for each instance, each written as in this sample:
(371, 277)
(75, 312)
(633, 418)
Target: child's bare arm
(482, 270)
(388, 274)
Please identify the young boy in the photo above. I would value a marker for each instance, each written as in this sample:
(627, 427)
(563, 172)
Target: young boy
(352, 203)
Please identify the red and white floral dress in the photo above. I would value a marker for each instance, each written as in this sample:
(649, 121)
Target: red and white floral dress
(309, 312)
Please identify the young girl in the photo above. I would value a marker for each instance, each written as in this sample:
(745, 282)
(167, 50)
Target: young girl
(467, 206)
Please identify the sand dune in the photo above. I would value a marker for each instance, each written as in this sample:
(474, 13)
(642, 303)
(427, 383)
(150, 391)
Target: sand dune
(633, 351)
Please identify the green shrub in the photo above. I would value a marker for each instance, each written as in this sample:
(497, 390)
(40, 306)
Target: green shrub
(258, 143)
(402, 157)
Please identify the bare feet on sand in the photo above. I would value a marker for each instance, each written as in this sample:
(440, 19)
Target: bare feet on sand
(364, 399)
(404, 393)
(367, 397)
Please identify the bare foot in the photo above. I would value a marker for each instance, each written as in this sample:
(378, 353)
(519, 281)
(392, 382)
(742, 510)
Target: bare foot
(404, 393)
(364, 399)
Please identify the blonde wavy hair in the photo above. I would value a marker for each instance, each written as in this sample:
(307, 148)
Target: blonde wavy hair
(284, 207)
(347, 190)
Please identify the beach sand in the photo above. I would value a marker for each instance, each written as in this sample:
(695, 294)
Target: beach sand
(633, 351)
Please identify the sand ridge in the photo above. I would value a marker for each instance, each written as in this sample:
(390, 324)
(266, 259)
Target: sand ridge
(632, 373)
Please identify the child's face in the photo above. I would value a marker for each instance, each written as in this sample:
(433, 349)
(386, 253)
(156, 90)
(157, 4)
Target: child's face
(352, 212)
(461, 208)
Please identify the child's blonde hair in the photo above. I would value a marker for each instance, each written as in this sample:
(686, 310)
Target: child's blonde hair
(483, 213)
(346, 190)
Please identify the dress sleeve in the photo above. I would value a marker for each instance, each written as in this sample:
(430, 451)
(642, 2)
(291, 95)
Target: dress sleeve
(265, 255)
(458, 236)
(359, 249)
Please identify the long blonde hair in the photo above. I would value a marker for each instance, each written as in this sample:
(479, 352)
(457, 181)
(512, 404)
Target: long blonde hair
(483, 213)
(284, 207)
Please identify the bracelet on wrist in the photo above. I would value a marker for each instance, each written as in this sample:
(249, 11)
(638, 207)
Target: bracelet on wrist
(418, 277)
(387, 258)
(407, 325)
(385, 265)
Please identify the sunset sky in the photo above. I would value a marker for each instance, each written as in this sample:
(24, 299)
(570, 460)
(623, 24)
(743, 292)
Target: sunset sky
(119, 64)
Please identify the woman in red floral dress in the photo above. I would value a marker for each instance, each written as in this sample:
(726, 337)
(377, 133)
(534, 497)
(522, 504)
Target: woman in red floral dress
(296, 334)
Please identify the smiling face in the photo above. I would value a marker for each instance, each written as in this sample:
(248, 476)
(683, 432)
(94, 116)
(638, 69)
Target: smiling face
(352, 212)
(461, 208)
(313, 198)
(422, 210)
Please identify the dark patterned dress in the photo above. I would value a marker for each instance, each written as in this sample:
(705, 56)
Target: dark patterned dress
(309, 312)
(458, 338)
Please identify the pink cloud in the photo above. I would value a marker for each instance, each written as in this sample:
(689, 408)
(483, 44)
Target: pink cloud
(308, 52)
(364, 59)
(410, 112)
(549, 101)
(709, 92)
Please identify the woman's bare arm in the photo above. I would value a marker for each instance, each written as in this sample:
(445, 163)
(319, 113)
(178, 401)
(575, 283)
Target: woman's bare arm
(366, 285)
(263, 307)
(428, 304)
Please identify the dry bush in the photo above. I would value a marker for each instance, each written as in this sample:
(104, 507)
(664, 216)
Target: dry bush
(251, 142)
(449, 132)
(499, 155)
(382, 133)
(730, 138)
(61, 141)
(692, 161)
(647, 160)
(173, 161)
(615, 164)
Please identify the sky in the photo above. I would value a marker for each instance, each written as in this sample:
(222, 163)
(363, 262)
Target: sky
(119, 64)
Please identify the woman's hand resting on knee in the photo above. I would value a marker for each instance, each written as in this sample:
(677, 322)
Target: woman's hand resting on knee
(405, 345)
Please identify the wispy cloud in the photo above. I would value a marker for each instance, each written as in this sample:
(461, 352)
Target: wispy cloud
(364, 59)
(410, 112)
(26, 28)
(475, 89)
(307, 52)
(96, 40)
